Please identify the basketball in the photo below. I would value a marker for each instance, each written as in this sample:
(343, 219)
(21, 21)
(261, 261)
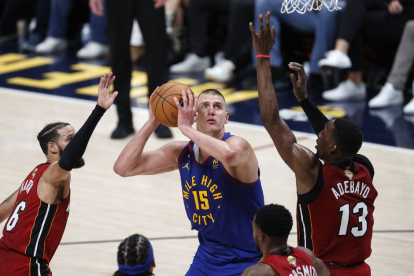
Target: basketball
(163, 105)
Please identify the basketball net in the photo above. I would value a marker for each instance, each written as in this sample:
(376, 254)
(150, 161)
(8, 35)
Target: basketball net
(302, 6)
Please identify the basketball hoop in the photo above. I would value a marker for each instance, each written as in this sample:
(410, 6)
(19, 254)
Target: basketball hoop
(302, 6)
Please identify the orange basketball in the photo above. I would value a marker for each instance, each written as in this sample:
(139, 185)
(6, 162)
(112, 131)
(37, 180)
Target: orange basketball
(163, 105)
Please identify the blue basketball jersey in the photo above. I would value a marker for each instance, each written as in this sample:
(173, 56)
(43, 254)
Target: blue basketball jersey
(219, 207)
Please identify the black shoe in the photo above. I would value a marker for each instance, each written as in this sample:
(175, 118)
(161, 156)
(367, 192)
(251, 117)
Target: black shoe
(163, 132)
(315, 86)
(122, 131)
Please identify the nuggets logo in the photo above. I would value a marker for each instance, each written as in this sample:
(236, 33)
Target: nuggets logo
(202, 197)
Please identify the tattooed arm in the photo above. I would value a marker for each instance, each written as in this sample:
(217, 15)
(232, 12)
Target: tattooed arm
(6, 207)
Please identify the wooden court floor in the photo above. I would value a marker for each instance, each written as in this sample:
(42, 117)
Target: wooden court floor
(106, 208)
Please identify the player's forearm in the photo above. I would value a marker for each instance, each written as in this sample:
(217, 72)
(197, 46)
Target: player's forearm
(269, 106)
(76, 148)
(6, 207)
(315, 116)
(213, 146)
(130, 157)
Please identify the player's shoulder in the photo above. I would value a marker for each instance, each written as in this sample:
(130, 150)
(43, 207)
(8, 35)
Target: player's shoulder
(238, 140)
(260, 269)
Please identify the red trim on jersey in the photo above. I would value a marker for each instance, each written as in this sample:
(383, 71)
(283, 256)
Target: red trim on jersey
(310, 218)
(195, 162)
(34, 223)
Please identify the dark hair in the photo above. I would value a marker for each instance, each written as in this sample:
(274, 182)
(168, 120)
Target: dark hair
(274, 220)
(347, 136)
(49, 134)
(213, 92)
(132, 251)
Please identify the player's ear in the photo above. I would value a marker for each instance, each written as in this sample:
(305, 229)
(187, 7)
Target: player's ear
(52, 147)
(333, 147)
(227, 118)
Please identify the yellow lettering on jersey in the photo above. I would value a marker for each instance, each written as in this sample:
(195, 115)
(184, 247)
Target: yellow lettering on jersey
(55, 80)
(213, 188)
(204, 180)
(215, 161)
(16, 62)
(204, 218)
(188, 186)
(210, 216)
(199, 219)
(193, 181)
(217, 196)
(186, 195)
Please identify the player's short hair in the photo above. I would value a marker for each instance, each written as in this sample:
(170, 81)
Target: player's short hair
(274, 220)
(49, 134)
(132, 251)
(347, 136)
(213, 92)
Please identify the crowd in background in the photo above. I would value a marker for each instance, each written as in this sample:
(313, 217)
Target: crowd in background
(367, 44)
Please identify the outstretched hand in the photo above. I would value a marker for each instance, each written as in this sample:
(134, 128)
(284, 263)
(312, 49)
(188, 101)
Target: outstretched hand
(264, 40)
(188, 112)
(299, 85)
(104, 99)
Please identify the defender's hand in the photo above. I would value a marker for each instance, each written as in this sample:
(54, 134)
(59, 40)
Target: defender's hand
(186, 113)
(264, 40)
(299, 85)
(104, 100)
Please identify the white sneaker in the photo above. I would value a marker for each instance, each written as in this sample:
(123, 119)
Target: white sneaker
(409, 108)
(388, 96)
(335, 59)
(93, 50)
(221, 72)
(346, 91)
(51, 44)
(192, 63)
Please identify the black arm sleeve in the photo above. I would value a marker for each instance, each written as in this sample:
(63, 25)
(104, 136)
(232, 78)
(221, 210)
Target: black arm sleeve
(361, 159)
(77, 146)
(315, 116)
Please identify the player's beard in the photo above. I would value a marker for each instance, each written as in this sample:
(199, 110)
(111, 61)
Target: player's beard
(78, 164)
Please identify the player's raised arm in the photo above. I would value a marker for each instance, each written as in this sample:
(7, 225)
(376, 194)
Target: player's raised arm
(300, 159)
(233, 152)
(6, 207)
(315, 116)
(60, 170)
(134, 161)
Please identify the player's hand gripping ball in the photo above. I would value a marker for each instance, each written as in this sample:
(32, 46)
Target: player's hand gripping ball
(162, 104)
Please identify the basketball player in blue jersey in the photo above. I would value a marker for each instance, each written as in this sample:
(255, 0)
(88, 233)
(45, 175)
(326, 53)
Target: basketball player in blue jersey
(219, 178)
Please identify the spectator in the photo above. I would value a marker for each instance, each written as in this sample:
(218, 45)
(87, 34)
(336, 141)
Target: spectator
(378, 24)
(12, 11)
(238, 43)
(392, 92)
(42, 23)
(198, 60)
(323, 24)
(151, 19)
(58, 29)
